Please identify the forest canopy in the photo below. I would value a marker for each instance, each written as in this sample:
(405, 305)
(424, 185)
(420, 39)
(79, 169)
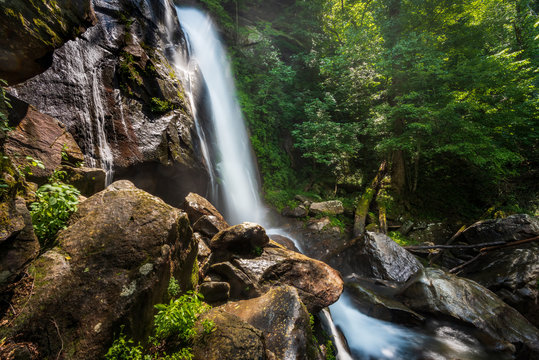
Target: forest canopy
(445, 91)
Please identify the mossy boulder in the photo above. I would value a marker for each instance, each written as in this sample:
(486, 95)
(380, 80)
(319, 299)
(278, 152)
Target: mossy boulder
(112, 264)
(232, 338)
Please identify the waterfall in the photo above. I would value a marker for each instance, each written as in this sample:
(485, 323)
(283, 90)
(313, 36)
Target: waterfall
(234, 163)
(236, 175)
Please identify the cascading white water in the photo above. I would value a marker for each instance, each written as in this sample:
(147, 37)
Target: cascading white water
(366, 337)
(233, 158)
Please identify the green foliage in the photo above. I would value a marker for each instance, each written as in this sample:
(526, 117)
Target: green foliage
(178, 317)
(174, 322)
(123, 349)
(330, 351)
(158, 106)
(173, 288)
(208, 326)
(55, 204)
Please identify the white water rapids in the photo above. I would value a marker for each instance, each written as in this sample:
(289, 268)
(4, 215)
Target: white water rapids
(236, 175)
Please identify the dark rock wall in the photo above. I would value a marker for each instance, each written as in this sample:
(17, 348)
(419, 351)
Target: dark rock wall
(116, 90)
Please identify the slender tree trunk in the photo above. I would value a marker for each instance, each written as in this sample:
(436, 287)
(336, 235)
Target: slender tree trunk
(362, 209)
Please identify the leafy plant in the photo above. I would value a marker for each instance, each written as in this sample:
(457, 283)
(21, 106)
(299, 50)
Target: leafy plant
(179, 316)
(208, 326)
(123, 349)
(55, 203)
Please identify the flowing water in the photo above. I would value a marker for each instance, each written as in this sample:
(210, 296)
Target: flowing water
(236, 176)
(233, 157)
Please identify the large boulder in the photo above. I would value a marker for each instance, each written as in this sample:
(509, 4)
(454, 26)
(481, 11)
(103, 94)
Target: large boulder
(40, 137)
(87, 180)
(282, 318)
(378, 256)
(18, 243)
(31, 30)
(512, 274)
(441, 294)
(318, 284)
(112, 264)
(232, 338)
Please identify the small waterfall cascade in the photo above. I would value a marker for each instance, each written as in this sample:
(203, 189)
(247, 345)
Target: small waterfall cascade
(236, 175)
(233, 159)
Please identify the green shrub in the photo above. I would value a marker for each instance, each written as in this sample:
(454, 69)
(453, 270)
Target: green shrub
(55, 203)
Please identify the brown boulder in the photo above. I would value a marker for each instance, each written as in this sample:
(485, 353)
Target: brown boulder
(209, 225)
(318, 284)
(333, 207)
(114, 263)
(282, 318)
(231, 339)
(87, 180)
(242, 238)
(41, 137)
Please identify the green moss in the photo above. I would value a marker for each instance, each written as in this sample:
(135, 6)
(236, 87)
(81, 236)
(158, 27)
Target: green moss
(158, 106)
(55, 39)
(402, 240)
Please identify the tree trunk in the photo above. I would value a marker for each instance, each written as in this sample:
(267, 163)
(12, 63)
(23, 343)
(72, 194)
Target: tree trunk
(362, 209)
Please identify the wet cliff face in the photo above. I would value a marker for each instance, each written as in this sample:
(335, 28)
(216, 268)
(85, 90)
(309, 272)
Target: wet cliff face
(116, 90)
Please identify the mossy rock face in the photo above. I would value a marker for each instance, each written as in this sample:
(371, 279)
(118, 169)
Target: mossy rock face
(32, 29)
(113, 263)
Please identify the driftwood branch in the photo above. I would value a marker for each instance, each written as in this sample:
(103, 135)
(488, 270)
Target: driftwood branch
(473, 246)
(435, 257)
(483, 246)
(484, 250)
